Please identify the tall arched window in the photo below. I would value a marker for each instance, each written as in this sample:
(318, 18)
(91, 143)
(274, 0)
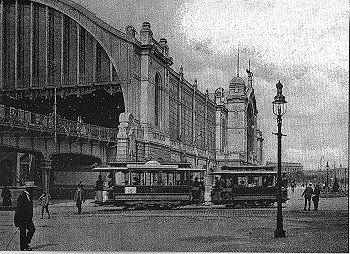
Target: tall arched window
(157, 99)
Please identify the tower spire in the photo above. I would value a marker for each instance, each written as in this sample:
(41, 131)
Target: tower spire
(238, 63)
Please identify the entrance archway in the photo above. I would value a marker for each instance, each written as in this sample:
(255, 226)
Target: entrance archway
(68, 170)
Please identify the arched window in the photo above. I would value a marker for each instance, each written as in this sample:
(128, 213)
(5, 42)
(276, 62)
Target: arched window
(157, 99)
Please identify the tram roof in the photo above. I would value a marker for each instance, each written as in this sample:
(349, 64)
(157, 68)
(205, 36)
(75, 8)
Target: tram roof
(245, 173)
(125, 163)
(247, 167)
(148, 166)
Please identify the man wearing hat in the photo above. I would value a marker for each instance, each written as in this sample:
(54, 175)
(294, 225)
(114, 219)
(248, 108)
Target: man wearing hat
(24, 216)
(307, 193)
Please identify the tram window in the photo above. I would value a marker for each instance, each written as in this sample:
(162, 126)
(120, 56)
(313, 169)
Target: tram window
(181, 178)
(177, 178)
(126, 178)
(162, 179)
(135, 178)
(257, 181)
(119, 178)
(241, 181)
(187, 178)
(170, 178)
(234, 181)
(148, 179)
(142, 178)
(155, 179)
(250, 181)
(267, 181)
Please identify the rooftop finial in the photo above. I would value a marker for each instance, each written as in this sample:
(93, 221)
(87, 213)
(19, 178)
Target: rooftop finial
(238, 63)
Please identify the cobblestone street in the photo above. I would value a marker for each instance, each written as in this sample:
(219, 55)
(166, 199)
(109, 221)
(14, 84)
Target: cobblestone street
(196, 228)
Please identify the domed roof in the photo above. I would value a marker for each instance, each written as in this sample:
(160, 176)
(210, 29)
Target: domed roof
(237, 80)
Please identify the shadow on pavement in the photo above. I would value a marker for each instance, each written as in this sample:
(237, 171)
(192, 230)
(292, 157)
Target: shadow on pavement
(43, 246)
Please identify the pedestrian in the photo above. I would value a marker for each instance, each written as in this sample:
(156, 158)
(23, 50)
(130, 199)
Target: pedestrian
(99, 189)
(292, 186)
(24, 216)
(79, 197)
(335, 185)
(45, 199)
(316, 197)
(6, 196)
(307, 193)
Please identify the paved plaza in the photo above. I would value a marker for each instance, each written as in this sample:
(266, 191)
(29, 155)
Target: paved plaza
(188, 229)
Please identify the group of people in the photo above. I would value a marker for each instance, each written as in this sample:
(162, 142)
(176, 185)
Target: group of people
(23, 218)
(311, 194)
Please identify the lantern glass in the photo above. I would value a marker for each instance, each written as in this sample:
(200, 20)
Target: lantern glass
(279, 108)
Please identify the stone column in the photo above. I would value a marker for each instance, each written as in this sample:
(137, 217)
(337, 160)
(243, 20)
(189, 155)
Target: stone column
(46, 170)
(123, 137)
(19, 175)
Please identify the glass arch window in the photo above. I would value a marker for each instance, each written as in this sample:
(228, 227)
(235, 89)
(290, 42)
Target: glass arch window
(42, 46)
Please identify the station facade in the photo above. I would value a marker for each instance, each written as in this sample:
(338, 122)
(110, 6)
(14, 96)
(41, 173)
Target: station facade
(58, 53)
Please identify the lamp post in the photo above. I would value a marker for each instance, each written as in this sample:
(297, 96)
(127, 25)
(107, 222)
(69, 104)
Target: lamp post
(279, 109)
(327, 170)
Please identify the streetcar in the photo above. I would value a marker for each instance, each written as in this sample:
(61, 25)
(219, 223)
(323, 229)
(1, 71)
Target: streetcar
(151, 185)
(246, 186)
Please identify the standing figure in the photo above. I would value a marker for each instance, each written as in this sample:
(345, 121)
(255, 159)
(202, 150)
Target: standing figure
(6, 196)
(24, 216)
(307, 193)
(79, 197)
(99, 189)
(316, 197)
(45, 198)
(292, 185)
(335, 185)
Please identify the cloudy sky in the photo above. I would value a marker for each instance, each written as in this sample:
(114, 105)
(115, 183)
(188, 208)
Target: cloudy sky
(302, 43)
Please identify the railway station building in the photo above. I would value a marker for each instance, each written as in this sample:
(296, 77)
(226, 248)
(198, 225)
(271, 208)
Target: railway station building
(76, 92)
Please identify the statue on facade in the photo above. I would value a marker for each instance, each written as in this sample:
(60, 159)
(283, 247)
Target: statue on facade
(132, 143)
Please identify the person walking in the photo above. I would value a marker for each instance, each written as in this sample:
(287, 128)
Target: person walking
(292, 185)
(307, 193)
(79, 197)
(45, 198)
(316, 197)
(6, 196)
(24, 216)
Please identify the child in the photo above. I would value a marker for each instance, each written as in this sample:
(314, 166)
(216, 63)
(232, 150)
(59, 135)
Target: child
(45, 197)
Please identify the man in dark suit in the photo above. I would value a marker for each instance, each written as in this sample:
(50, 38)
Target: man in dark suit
(24, 216)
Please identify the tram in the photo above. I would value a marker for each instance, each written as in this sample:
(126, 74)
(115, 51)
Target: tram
(246, 186)
(151, 185)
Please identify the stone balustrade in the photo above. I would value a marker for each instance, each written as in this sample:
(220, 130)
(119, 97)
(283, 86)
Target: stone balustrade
(38, 122)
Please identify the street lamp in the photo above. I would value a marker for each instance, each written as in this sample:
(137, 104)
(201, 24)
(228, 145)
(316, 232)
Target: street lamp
(279, 109)
(327, 184)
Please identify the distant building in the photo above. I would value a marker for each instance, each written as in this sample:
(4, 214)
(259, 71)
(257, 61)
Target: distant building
(238, 138)
(339, 173)
(288, 167)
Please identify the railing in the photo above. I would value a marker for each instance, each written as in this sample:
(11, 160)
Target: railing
(30, 120)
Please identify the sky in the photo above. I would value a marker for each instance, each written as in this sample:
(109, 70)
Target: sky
(302, 43)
